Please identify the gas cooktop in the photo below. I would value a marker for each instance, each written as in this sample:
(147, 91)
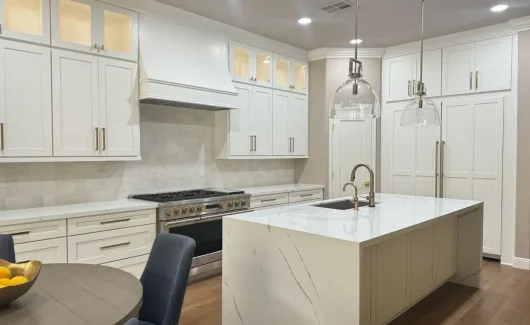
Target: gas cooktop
(185, 195)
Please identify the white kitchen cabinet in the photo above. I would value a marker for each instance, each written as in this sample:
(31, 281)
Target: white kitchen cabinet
(477, 67)
(26, 20)
(95, 107)
(118, 108)
(398, 78)
(246, 131)
(432, 72)
(261, 117)
(290, 124)
(472, 157)
(117, 32)
(75, 104)
(25, 108)
(420, 246)
(94, 27)
(444, 238)
(290, 74)
(250, 65)
(45, 251)
(133, 265)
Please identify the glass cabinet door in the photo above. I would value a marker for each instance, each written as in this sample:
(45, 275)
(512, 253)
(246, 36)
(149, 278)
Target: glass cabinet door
(118, 32)
(26, 20)
(263, 68)
(300, 77)
(74, 25)
(241, 63)
(282, 77)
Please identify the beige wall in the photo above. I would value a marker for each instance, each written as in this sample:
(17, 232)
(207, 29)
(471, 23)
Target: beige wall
(325, 76)
(522, 221)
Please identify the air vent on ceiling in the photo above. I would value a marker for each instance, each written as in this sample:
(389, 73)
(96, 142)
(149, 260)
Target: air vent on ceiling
(336, 6)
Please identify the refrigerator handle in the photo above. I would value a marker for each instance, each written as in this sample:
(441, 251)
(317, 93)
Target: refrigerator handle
(436, 174)
(442, 155)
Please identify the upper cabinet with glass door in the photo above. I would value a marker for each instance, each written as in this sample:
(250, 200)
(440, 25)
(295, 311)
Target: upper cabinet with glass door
(290, 74)
(250, 65)
(26, 20)
(95, 27)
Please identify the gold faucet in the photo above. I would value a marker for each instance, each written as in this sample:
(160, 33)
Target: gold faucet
(371, 194)
(355, 195)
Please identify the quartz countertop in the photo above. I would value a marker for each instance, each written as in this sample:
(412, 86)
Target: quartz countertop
(392, 214)
(275, 189)
(11, 217)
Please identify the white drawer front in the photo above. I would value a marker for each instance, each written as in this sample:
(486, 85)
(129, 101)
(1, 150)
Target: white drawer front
(30, 232)
(306, 202)
(134, 265)
(257, 202)
(109, 246)
(313, 195)
(46, 251)
(86, 225)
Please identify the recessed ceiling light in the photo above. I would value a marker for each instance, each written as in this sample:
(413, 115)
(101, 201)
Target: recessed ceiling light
(499, 8)
(356, 41)
(305, 21)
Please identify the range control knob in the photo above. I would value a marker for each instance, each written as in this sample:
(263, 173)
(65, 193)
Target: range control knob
(178, 212)
(185, 210)
(243, 202)
(223, 205)
(230, 204)
(238, 203)
(202, 208)
(169, 212)
(192, 209)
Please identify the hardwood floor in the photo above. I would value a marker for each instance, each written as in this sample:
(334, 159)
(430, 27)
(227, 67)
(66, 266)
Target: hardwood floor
(504, 299)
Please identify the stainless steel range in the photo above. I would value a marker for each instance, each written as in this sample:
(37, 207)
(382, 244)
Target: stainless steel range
(199, 214)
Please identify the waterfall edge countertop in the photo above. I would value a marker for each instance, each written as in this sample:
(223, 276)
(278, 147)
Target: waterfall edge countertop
(392, 214)
(275, 189)
(13, 217)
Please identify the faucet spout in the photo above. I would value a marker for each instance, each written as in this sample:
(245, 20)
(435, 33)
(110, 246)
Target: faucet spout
(371, 194)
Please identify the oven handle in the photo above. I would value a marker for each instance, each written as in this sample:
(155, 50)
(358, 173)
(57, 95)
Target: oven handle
(224, 214)
(182, 222)
(213, 217)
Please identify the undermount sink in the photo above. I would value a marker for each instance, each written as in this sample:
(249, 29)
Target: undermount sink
(341, 205)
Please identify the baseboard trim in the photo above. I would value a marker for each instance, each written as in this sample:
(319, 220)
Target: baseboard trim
(521, 263)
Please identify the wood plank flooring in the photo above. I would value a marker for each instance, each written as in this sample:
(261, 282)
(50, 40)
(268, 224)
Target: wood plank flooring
(504, 299)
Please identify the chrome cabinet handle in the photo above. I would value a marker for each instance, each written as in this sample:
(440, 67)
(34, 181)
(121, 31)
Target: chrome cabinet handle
(0, 29)
(251, 143)
(2, 134)
(115, 246)
(96, 46)
(255, 143)
(97, 139)
(413, 87)
(289, 144)
(19, 233)
(476, 80)
(409, 88)
(471, 81)
(114, 221)
(294, 146)
(104, 139)
(442, 154)
(102, 47)
(268, 200)
(436, 170)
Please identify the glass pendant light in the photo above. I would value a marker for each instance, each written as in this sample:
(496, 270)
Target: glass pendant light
(355, 99)
(421, 111)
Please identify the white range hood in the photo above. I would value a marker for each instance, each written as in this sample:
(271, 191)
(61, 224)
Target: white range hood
(182, 67)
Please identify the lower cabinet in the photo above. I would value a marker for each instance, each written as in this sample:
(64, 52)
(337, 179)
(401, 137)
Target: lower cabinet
(133, 265)
(46, 251)
(400, 271)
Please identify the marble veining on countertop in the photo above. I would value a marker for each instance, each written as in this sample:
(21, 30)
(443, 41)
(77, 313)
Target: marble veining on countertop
(275, 189)
(11, 217)
(392, 213)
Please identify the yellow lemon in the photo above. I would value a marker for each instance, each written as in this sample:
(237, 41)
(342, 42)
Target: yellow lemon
(5, 282)
(5, 273)
(18, 280)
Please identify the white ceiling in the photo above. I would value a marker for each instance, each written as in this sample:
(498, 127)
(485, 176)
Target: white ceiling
(382, 23)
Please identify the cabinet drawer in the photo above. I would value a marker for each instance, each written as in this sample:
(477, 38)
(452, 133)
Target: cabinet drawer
(134, 265)
(46, 251)
(86, 225)
(263, 201)
(313, 195)
(30, 232)
(109, 246)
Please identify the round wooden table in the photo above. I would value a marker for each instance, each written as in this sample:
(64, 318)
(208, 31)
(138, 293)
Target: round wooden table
(77, 294)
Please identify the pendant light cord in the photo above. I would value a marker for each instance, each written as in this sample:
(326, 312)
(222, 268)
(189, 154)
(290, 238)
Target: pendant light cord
(356, 27)
(422, 22)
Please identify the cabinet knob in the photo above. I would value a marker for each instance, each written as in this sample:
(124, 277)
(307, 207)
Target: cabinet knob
(103, 47)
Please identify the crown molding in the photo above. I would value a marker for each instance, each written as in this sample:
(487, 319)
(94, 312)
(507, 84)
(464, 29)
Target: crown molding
(345, 53)
(520, 24)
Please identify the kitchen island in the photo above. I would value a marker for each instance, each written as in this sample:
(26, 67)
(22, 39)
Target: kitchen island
(303, 265)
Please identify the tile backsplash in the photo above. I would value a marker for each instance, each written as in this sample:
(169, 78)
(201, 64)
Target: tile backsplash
(177, 153)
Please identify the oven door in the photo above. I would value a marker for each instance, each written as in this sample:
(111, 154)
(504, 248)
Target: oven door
(208, 235)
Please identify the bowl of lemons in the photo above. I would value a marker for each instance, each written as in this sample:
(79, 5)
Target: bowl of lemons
(16, 279)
